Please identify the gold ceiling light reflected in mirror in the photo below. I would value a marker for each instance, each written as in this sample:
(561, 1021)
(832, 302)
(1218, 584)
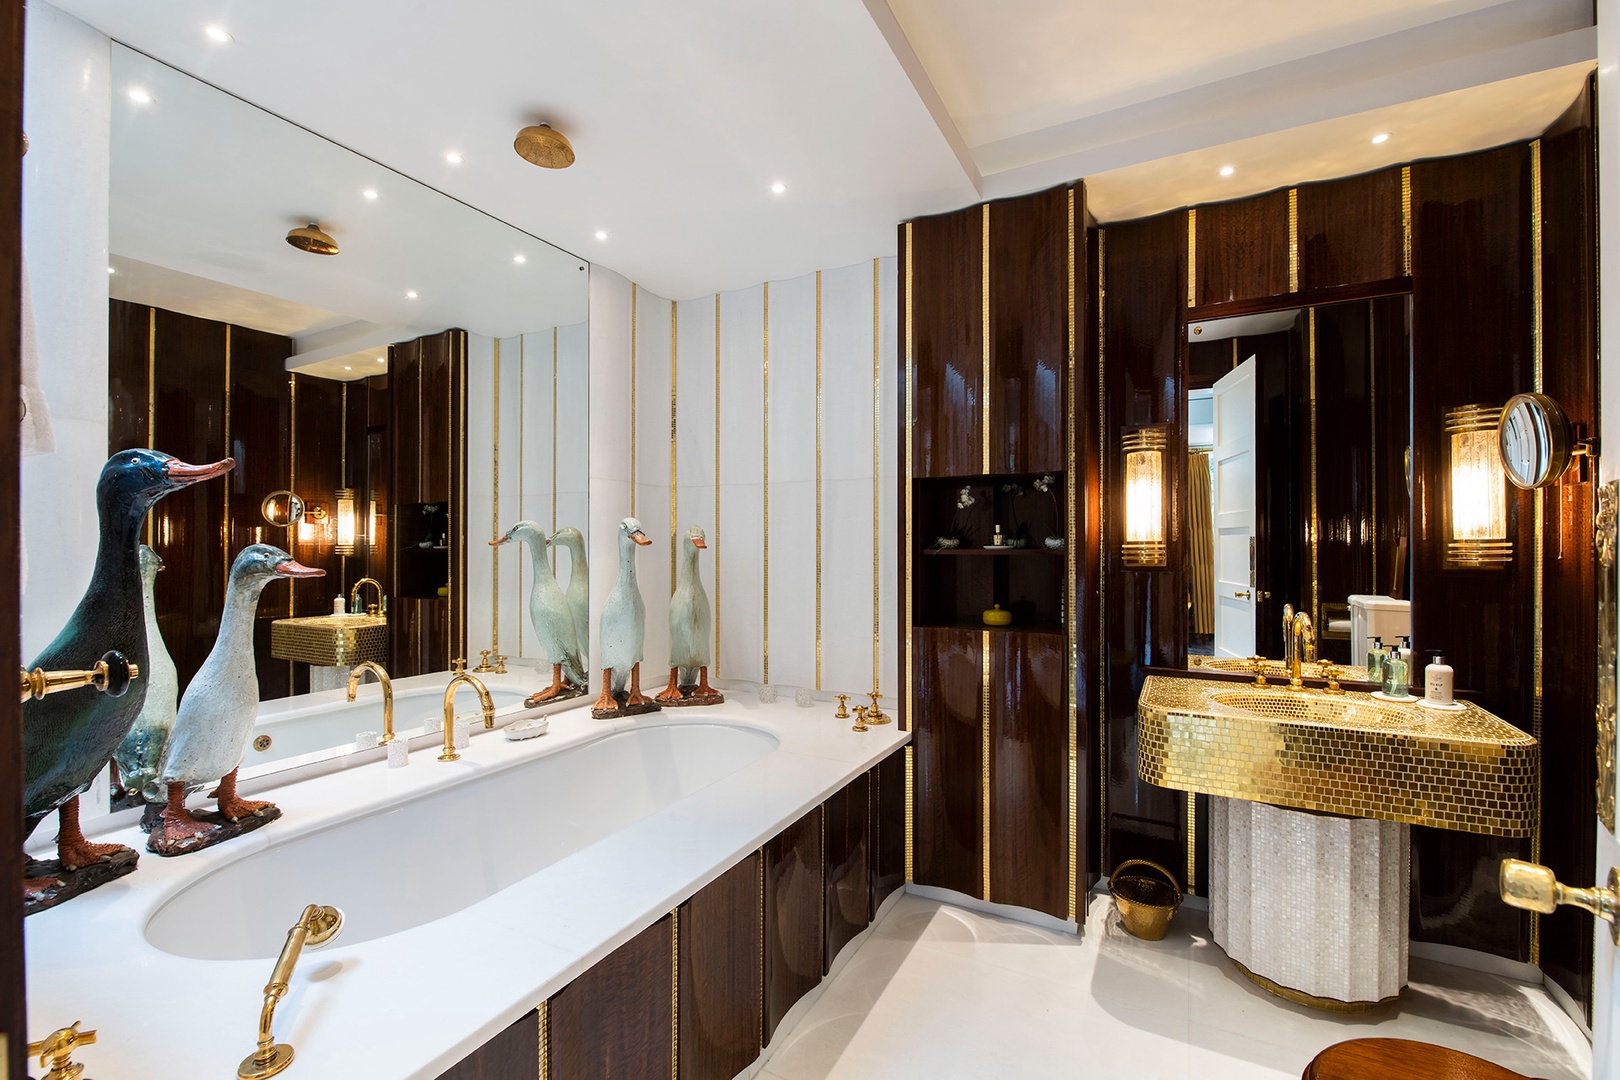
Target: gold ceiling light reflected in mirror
(545, 146)
(310, 238)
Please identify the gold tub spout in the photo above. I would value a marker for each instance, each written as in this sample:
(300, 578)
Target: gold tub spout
(354, 596)
(318, 925)
(484, 700)
(387, 690)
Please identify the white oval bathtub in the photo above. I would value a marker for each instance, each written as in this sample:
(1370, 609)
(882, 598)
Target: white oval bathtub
(399, 867)
(288, 731)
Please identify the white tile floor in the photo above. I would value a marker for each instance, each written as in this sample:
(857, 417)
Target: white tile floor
(938, 991)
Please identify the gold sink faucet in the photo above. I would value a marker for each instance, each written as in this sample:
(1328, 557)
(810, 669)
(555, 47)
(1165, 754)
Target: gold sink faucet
(318, 925)
(381, 607)
(484, 700)
(1300, 642)
(387, 690)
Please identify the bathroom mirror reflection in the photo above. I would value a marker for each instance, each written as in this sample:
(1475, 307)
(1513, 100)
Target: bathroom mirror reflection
(1298, 434)
(366, 383)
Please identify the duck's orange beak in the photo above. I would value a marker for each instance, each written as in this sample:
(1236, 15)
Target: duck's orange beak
(295, 569)
(698, 541)
(640, 537)
(183, 474)
(498, 541)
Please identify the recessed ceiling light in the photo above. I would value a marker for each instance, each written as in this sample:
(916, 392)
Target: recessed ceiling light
(452, 157)
(1227, 170)
(370, 193)
(778, 187)
(110, 270)
(139, 96)
(219, 34)
(601, 234)
(346, 367)
(1381, 137)
(382, 360)
(520, 259)
(411, 295)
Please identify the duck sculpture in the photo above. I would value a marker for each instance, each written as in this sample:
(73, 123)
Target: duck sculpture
(690, 621)
(215, 722)
(139, 755)
(68, 738)
(623, 630)
(551, 616)
(579, 589)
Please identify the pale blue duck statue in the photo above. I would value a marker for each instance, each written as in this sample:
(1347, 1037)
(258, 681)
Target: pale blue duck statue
(215, 722)
(141, 752)
(690, 623)
(624, 628)
(579, 589)
(550, 615)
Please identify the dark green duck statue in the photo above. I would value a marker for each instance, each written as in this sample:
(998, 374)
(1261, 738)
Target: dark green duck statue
(68, 738)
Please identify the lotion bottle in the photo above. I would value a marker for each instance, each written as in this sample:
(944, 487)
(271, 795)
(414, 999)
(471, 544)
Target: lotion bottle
(1437, 681)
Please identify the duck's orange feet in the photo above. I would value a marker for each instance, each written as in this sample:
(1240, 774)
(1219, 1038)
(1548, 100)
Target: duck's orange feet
(74, 851)
(636, 696)
(607, 702)
(232, 805)
(703, 687)
(672, 692)
(176, 824)
(550, 692)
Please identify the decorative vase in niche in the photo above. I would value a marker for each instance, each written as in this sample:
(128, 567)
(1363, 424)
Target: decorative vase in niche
(1054, 543)
(997, 616)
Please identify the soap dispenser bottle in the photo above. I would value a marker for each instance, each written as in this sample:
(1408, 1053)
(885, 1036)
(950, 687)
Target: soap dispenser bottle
(1375, 661)
(1394, 674)
(1406, 652)
(1437, 681)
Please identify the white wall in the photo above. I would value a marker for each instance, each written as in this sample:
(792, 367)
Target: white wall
(67, 114)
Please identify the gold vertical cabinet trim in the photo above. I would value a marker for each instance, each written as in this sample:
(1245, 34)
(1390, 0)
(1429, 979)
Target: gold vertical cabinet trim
(225, 522)
(1069, 616)
(545, 1040)
(151, 415)
(821, 816)
(1316, 537)
(718, 550)
(635, 306)
(819, 410)
(910, 821)
(759, 1016)
(1293, 248)
(1372, 398)
(458, 566)
(984, 332)
(675, 993)
(674, 528)
(1102, 533)
(877, 483)
(765, 516)
(1192, 257)
(495, 507)
(1192, 842)
(1538, 542)
(1406, 219)
(984, 760)
(292, 485)
(909, 720)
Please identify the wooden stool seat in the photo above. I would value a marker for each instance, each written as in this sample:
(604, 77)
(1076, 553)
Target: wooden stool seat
(1401, 1059)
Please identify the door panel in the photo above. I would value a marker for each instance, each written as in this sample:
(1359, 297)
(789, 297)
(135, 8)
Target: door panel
(1233, 498)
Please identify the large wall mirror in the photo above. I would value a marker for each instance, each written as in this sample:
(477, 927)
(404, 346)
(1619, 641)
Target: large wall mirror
(359, 381)
(1299, 428)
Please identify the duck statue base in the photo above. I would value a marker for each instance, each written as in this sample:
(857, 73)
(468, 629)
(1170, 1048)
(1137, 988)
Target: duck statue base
(622, 707)
(60, 885)
(681, 695)
(215, 828)
(561, 689)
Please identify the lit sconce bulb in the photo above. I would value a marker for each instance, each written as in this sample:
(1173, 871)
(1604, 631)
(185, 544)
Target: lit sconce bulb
(1478, 497)
(1144, 543)
(345, 521)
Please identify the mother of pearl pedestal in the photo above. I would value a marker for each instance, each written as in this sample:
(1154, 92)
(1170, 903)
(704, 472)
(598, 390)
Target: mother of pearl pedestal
(1310, 903)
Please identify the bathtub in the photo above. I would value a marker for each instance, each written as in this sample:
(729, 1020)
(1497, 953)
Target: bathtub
(472, 890)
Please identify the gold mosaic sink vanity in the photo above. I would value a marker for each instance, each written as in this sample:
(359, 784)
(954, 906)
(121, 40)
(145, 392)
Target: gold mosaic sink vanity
(331, 640)
(1277, 669)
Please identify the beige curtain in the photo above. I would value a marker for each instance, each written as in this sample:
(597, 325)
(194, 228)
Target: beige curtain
(1203, 559)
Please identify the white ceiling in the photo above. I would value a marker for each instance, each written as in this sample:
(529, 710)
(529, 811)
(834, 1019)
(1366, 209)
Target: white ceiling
(870, 111)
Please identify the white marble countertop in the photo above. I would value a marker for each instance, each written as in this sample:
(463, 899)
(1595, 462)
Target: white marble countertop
(413, 1003)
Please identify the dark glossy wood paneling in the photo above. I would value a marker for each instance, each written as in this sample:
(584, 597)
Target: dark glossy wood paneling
(13, 1008)
(440, 360)
(511, 1055)
(259, 443)
(947, 810)
(1350, 230)
(1146, 609)
(793, 916)
(190, 424)
(1568, 746)
(1470, 313)
(720, 975)
(376, 484)
(405, 373)
(1242, 249)
(1029, 789)
(888, 779)
(947, 348)
(615, 1022)
(318, 447)
(1392, 411)
(128, 331)
(1029, 329)
(847, 858)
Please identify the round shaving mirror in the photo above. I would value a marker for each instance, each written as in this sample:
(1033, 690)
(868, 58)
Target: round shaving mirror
(1534, 439)
(282, 508)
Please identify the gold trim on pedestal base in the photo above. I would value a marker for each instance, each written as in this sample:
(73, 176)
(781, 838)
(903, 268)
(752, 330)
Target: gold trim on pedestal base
(1300, 997)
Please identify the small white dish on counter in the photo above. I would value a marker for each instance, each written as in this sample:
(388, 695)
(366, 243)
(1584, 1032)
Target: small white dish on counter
(518, 730)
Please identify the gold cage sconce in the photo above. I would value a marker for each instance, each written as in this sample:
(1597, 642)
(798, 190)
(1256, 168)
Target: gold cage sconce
(1476, 489)
(1144, 513)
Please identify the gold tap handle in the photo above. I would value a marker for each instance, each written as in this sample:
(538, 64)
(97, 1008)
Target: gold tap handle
(1330, 672)
(860, 718)
(1257, 664)
(1536, 888)
(484, 666)
(843, 707)
(55, 1051)
(458, 666)
(500, 664)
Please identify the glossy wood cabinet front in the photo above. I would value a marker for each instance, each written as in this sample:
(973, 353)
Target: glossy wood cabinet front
(793, 917)
(848, 874)
(945, 271)
(720, 987)
(615, 1022)
(1029, 783)
(947, 817)
(511, 1055)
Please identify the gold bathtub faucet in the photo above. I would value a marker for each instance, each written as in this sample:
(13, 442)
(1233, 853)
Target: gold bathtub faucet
(484, 700)
(354, 596)
(387, 690)
(318, 925)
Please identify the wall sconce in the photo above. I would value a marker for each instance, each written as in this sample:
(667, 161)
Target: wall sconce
(1144, 451)
(343, 502)
(1476, 499)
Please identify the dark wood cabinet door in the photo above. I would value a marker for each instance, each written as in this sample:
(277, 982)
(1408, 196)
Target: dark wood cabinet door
(948, 728)
(1029, 783)
(793, 919)
(615, 1022)
(888, 850)
(944, 278)
(720, 975)
(848, 870)
(1028, 331)
(1241, 249)
(511, 1055)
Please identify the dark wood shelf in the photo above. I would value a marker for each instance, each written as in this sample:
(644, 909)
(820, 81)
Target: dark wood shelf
(1055, 629)
(984, 551)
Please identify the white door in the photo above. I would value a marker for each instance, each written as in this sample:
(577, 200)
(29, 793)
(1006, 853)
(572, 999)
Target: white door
(1232, 500)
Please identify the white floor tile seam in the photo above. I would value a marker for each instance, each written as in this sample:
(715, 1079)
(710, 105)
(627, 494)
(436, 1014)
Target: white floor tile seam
(939, 991)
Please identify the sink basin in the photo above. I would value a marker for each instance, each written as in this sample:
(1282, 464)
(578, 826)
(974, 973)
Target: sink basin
(341, 640)
(1275, 669)
(1349, 753)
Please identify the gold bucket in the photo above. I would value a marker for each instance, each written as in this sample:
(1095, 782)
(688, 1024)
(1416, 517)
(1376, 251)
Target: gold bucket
(1145, 904)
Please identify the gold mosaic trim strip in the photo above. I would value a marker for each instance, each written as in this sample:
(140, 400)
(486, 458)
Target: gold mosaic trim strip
(718, 549)
(554, 384)
(877, 481)
(760, 1014)
(635, 306)
(1192, 842)
(675, 993)
(1538, 501)
(1293, 257)
(908, 721)
(1406, 220)
(495, 504)
(151, 438)
(1316, 523)
(765, 487)
(544, 1016)
(225, 521)
(674, 526)
(1192, 257)
(1070, 618)
(819, 418)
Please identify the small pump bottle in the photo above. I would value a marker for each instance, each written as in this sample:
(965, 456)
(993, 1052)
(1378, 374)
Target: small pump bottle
(1375, 661)
(1394, 674)
(1437, 681)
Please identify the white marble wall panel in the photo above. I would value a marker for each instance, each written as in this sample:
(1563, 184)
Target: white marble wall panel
(793, 492)
(609, 432)
(652, 488)
(534, 362)
(67, 113)
(889, 473)
(741, 526)
(694, 430)
(573, 391)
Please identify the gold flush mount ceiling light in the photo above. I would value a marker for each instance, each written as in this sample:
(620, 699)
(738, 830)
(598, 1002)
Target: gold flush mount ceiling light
(545, 146)
(310, 238)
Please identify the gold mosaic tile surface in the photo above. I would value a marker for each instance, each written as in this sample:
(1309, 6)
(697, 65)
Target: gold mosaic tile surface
(342, 640)
(1344, 754)
(1276, 669)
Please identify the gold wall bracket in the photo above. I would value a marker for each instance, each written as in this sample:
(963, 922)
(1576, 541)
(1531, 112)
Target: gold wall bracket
(1536, 888)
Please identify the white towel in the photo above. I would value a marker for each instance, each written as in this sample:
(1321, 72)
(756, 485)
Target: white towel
(37, 436)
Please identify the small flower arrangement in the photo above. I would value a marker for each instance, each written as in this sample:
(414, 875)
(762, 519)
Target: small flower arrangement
(964, 500)
(1047, 485)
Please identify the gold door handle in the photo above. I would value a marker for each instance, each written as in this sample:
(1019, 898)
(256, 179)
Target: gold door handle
(1536, 888)
(1241, 594)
